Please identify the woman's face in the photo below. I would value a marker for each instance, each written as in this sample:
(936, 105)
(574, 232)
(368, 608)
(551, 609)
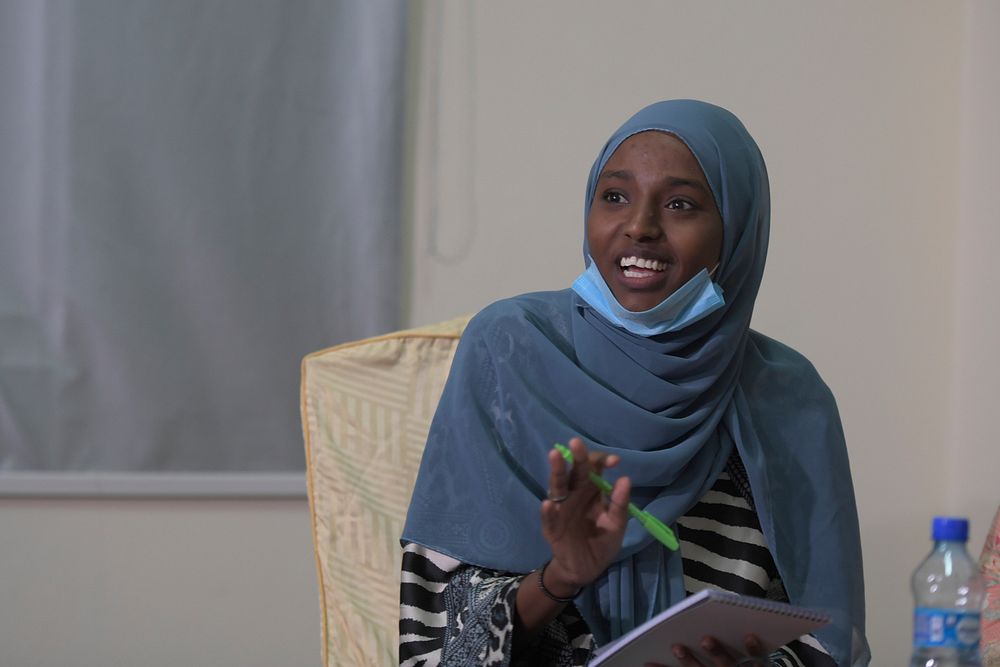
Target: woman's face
(653, 223)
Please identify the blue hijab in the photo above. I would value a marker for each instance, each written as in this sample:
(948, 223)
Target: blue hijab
(544, 367)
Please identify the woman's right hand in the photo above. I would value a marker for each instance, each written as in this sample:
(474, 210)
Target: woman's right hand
(583, 528)
(585, 532)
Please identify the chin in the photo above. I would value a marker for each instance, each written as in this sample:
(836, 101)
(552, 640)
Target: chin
(637, 306)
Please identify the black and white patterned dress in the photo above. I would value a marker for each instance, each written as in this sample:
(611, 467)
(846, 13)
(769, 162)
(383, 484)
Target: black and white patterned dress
(455, 614)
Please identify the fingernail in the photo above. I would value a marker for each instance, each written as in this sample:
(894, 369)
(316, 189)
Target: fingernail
(679, 652)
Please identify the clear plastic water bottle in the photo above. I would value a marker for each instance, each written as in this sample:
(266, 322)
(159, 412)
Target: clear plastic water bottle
(948, 596)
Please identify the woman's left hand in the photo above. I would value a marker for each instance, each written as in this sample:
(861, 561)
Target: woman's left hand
(754, 656)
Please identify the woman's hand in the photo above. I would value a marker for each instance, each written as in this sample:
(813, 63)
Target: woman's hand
(754, 656)
(584, 529)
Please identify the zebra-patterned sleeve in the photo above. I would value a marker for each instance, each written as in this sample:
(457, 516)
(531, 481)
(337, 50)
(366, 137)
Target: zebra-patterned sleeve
(802, 652)
(723, 547)
(455, 614)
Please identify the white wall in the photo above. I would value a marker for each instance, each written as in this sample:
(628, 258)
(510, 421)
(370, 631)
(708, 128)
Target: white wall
(975, 440)
(878, 124)
(157, 583)
(868, 128)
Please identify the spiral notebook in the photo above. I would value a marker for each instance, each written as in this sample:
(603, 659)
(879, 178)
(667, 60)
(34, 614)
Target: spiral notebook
(726, 616)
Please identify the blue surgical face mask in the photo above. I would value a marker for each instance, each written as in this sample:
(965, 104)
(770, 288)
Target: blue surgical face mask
(692, 301)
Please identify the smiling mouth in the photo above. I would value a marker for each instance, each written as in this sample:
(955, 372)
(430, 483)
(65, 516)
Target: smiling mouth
(638, 267)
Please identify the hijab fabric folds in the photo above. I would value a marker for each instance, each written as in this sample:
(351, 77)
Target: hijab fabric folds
(541, 368)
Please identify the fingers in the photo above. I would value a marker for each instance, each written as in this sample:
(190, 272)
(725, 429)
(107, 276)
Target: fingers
(719, 655)
(579, 475)
(558, 476)
(684, 656)
(565, 479)
(618, 506)
(755, 649)
(581, 463)
(753, 646)
(570, 485)
(597, 462)
(550, 519)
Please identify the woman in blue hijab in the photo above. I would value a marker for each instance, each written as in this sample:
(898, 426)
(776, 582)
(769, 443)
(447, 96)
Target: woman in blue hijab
(648, 366)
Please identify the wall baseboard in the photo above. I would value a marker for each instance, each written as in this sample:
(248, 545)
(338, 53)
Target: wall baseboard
(152, 485)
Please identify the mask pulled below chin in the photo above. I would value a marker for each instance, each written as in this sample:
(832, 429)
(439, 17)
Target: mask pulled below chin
(692, 301)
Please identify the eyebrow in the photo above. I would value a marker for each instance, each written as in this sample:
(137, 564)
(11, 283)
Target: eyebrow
(626, 175)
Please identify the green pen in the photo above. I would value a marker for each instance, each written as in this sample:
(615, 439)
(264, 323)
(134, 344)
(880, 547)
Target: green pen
(656, 528)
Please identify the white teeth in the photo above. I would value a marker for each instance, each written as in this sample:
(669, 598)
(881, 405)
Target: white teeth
(650, 264)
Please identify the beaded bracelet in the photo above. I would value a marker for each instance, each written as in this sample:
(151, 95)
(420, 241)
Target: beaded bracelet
(548, 593)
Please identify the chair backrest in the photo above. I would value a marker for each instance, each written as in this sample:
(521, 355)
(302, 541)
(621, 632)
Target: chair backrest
(366, 409)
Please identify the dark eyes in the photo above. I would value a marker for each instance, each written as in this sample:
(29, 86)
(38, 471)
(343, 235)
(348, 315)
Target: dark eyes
(676, 204)
(680, 205)
(614, 197)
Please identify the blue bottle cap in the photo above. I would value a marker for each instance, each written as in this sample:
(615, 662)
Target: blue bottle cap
(950, 528)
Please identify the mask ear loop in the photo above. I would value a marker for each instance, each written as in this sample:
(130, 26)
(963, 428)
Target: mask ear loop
(711, 274)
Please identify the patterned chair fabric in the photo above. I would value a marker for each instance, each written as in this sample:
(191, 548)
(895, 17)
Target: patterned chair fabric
(366, 409)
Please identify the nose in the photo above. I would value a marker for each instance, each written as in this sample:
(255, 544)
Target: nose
(644, 224)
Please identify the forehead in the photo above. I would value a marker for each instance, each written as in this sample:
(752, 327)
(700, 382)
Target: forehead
(657, 151)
